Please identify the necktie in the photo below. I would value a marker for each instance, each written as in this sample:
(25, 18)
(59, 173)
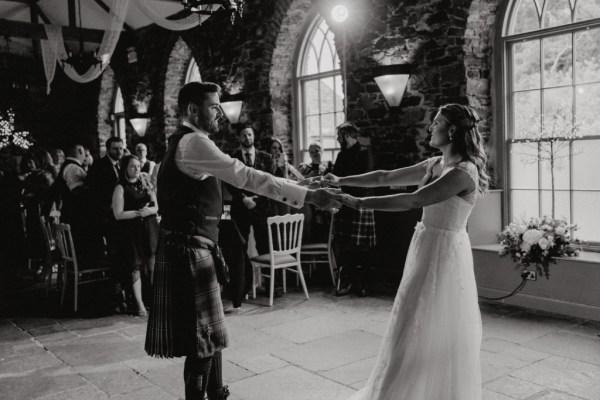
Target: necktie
(248, 159)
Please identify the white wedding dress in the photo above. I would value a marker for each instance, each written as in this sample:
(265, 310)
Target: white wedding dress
(431, 348)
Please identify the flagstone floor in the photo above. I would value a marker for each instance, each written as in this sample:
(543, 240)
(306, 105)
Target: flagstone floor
(317, 349)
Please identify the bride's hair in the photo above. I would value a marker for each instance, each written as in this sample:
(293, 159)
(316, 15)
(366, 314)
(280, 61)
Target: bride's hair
(467, 139)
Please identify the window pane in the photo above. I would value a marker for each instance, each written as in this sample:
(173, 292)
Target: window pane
(562, 204)
(588, 107)
(586, 165)
(587, 59)
(327, 125)
(526, 19)
(326, 60)
(562, 168)
(558, 12)
(526, 112)
(587, 9)
(339, 118)
(311, 97)
(526, 65)
(523, 172)
(313, 132)
(327, 95)
(586, 215)
(339, 93)
(558, 60)
(329, 142)
(557, 101)
(524, 204)
(311, 64)
(118, 107)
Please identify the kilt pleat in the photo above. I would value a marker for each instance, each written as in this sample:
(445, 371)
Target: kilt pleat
(355, 227)
(186, 317)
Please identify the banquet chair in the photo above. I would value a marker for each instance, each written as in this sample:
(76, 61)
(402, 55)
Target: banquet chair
(52, 259)
(285, 240)
(82, 276)
(320, 253)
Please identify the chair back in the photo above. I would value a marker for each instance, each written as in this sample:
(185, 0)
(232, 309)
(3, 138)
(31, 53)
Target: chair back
(64, 240)
(285, 233)
(48, 238)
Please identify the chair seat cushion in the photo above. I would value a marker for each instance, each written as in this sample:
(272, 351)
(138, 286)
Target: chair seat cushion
(266, 259)
(314, 246)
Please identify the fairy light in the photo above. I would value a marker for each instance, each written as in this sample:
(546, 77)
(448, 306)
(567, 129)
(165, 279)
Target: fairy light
(9, 136)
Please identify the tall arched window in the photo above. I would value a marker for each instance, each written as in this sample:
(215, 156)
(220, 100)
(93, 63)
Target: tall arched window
(320, 91)
(193, 72)
(119, 116)
(552, 83)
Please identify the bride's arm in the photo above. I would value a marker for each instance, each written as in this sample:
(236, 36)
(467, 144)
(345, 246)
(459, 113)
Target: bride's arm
(449, 185)
(407, 176)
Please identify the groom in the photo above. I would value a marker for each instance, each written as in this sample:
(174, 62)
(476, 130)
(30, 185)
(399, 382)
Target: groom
(186, 318)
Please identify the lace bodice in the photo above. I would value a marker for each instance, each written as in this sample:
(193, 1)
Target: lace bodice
(451, 214)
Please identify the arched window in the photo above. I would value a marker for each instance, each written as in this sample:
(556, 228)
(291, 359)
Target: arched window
(193, 72)
(552, 83)
(119, 117)
(320, 91)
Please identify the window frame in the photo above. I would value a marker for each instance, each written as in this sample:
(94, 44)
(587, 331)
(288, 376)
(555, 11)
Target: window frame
(301, 141)
(505, 124)
(118, 116)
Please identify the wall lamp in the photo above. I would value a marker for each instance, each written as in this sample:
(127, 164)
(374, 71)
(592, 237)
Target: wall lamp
(232, 107)
(392, 80)
(139, 125)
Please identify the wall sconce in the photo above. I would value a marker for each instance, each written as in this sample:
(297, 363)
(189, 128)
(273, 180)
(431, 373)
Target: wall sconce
(140, 125)
(392, 80)
(232, 107)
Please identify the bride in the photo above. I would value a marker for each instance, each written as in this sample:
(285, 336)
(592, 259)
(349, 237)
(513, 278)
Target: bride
(431, 348)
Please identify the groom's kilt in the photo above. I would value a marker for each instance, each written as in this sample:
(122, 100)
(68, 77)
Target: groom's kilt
(186, 318)
(355, 227)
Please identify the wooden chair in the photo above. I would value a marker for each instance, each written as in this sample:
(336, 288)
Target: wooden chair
(69, 257)
(52, 259)
(285, 240)
(321, 253)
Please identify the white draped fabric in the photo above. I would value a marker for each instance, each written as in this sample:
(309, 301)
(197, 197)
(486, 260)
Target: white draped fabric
(53, 49)
(174, 25)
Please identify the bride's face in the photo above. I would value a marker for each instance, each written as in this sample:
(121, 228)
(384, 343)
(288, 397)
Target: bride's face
(439, 132)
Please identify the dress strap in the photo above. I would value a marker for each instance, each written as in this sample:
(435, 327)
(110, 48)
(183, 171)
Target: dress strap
(470, 169)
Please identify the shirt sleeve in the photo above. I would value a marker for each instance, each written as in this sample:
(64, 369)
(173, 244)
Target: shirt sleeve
(74, 176)
(198, 157)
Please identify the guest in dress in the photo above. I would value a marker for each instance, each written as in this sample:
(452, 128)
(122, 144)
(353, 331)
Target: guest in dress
(281, 168)
(134, 207)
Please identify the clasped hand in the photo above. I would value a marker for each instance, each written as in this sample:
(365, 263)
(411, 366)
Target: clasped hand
(324, 198)
(316, 182)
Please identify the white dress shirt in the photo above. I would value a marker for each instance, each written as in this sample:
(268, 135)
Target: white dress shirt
(74, 175)
(198, 157)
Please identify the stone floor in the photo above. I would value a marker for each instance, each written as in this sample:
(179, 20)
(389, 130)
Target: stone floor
(322, 348)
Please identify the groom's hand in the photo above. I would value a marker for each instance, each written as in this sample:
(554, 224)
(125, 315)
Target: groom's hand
(311, 183)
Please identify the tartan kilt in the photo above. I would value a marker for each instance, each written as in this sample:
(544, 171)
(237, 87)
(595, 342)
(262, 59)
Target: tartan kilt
(186, 317)
(355, 227)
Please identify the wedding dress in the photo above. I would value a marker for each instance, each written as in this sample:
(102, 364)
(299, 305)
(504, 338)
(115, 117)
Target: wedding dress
(431, 348)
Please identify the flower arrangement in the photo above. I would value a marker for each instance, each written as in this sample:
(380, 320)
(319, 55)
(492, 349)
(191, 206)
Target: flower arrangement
(538, 241)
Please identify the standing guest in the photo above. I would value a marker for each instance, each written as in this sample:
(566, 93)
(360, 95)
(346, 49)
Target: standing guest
(316, 221)
(280, 167)
(88, 161)
(142, 152)
(249, 209)
(431, 349)
(134, 207)
(354, 228)
(102, 179)
(186, 318)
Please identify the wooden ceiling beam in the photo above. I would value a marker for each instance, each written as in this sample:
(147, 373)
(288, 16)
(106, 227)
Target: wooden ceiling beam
(36, 31)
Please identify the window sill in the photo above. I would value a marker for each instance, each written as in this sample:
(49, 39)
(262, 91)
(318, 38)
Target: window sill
(584, 256)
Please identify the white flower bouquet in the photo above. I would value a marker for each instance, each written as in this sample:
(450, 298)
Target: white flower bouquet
(538, 242)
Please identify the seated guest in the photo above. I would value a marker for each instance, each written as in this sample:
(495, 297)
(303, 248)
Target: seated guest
(58, 158)
(316, 167)
(134, 207)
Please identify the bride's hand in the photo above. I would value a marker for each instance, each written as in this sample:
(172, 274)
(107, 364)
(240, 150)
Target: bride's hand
(331, 180)
(311, 183)
(348, 200)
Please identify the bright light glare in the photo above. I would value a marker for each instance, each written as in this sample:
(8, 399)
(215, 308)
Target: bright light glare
(339, 13)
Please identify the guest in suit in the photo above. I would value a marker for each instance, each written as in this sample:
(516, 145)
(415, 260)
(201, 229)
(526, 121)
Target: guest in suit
(102, 179)
(186, 318)
(249, 209)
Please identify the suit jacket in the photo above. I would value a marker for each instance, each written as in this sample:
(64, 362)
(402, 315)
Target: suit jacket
(102, 179)
(262, 162)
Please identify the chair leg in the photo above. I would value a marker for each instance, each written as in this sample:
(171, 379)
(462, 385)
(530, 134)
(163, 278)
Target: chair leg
(62, 273)
(299, 268)
(75, 291)
(272, 286)
(284, 280)
(253, 282)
